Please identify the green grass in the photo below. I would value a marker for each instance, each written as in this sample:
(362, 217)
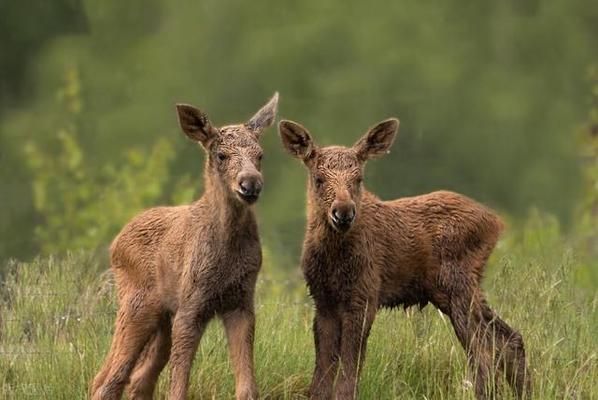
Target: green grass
(57, 317)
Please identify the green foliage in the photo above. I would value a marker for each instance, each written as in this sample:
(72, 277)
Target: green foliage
(84, 205)
(589, 156)
(587, 211)
(26, 27)
(487, 95)
(57, 319)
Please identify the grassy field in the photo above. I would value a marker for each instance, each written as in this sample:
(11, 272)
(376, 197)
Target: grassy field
(57, 316)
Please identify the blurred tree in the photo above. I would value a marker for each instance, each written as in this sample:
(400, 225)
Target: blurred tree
(26, 26)
(486, 92)
(587, 222)
(83, 205)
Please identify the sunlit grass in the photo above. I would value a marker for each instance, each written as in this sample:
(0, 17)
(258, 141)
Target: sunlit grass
(57, 317)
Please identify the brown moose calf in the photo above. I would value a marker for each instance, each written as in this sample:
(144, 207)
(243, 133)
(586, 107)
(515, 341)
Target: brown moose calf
(178, 267)
(361, 254)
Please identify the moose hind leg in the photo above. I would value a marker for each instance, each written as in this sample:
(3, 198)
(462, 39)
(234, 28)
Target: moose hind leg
(509, 352)
(151, 363)
(101, 376)
(472, 331)
(134, 328)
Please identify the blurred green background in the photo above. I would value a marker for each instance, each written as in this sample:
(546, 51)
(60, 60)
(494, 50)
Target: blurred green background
(497, 100)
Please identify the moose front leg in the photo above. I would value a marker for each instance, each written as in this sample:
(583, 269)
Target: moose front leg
(327, 337)
(187, 330)
(240, 329)
(356, 324)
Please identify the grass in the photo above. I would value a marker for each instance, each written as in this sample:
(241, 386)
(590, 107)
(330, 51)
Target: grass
(56, 319)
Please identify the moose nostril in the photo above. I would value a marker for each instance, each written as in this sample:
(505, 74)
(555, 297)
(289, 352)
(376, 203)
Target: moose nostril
(336, 214)
(351, 214)
(245, 186)
(258, 187)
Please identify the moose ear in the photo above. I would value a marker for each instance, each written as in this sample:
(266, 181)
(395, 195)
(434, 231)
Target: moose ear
(196, 124)
(264, 117)
(296, 140)
(377, 140)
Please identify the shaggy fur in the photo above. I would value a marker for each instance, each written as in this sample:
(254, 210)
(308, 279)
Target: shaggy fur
(361, 254)
(178, 267)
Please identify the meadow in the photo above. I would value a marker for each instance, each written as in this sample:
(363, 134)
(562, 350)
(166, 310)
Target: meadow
(57, 318)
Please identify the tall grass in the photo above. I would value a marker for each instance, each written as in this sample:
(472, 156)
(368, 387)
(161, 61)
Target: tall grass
(57, 317)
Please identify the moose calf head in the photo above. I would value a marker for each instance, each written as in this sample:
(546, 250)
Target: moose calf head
(336, 172)
(234, 152)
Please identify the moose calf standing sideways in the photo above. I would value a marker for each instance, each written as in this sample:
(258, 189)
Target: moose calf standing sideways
(361, 253)
(178, 267)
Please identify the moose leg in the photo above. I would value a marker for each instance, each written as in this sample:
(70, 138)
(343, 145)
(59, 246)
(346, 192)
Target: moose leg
(472, 331)
(509, 352)
(101, 376)
(356, 324)
(152, 361)
(240, 329)
(187, 329)
(134, 327)
(327, 338)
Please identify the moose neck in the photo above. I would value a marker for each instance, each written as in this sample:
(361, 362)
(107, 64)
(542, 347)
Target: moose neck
(228, 212)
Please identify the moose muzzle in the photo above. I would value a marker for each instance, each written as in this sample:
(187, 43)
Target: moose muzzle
(342, 215)
(249, 187)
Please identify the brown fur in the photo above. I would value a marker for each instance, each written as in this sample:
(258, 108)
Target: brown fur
(178, 267)
(361, 253)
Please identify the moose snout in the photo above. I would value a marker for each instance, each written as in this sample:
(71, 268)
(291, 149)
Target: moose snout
(342, 215)
(249, 187)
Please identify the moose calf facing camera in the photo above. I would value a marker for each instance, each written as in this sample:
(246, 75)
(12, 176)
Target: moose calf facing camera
(361, 253)
(178, 267)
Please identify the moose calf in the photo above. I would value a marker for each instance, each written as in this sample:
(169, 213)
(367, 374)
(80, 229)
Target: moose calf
(178, 267)
(361, 254)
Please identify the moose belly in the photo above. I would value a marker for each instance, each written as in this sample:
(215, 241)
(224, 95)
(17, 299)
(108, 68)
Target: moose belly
(404, 295)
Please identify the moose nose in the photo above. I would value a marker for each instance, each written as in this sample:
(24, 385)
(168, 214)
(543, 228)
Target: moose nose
(250, 187)
(343, 215)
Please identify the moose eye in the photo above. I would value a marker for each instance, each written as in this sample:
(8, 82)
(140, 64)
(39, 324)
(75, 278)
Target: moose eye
(318, 181)
(221, 156)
